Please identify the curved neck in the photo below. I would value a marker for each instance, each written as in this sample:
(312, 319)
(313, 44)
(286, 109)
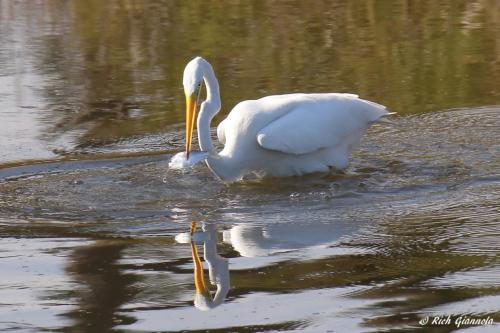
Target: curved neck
(225, 167)
(208, 109)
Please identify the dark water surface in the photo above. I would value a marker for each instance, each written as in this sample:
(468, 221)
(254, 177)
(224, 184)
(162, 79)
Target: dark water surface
(91, 110)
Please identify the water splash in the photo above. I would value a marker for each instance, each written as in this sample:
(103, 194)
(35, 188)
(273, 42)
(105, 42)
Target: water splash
(179, 160)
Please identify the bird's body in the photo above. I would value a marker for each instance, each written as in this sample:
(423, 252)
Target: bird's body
(293, 134)
(282, 135)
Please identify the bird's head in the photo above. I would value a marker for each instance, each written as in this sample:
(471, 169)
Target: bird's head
(192, 80)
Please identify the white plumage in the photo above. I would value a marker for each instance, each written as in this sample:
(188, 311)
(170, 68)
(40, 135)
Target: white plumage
(282, 135)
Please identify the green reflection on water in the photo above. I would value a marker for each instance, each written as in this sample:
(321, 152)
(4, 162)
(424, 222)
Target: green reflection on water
(127, 57)
(113, 69)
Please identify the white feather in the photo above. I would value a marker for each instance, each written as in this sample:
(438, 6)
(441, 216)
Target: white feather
(220, 133)
(280, 135)
(318, 121)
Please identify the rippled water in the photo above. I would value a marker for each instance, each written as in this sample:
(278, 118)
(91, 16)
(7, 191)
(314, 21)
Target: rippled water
(89, 210)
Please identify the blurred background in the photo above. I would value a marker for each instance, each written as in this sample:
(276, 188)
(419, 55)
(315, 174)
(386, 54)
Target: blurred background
(92, 107)
(76, 74)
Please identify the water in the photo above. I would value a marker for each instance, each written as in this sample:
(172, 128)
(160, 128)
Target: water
(92, 110)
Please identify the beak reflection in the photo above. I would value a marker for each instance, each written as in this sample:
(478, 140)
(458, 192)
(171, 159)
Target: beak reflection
(218, 267)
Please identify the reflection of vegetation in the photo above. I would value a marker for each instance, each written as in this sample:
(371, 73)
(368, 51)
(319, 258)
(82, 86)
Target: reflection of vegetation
(411, 56)
(104, 288)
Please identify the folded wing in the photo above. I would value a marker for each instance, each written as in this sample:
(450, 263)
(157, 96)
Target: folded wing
(319, 121)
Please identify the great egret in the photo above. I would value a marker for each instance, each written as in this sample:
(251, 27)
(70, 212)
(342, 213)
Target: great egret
(280, 135)
(218, 267)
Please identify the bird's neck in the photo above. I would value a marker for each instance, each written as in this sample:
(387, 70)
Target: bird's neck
(224, 167)
(217, 266)
(219, 164)
(208, 109)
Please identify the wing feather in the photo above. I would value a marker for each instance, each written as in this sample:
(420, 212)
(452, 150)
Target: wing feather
(320, 121)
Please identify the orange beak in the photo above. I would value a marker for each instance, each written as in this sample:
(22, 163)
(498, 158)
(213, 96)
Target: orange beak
(190, 119)
(199, 277)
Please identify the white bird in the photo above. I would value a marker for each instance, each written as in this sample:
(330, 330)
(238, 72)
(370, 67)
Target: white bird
(282, 135)
(218, 267)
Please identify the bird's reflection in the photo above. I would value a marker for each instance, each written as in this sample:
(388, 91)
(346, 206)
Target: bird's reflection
(314, 240)
(251, 240)
(218, 267)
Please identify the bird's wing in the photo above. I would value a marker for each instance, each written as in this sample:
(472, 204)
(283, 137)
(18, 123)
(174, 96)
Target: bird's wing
(221, 134)
(319, 121)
